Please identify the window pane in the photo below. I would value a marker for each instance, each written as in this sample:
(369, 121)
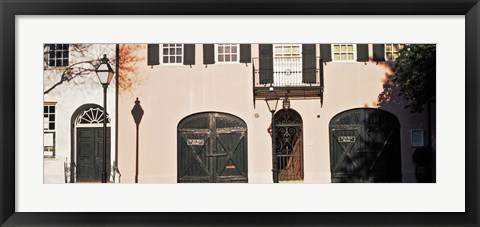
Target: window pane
(344, 57)
(350, 56)
(227, 49)
(389, 56)
(165, 51)
(51, 46)
(234, 49)
(336, 56)
(350, 48)
(395, 47)
(220, 49)
(51, 63)
(172, 59)
(234, 57)
(337, 48)
(58, 54)
(65, 46)
(179, 45)
(395, 55)
(220, 58)
(344, 48)
(172, 51)
(51, 126)
(179, 59)
(52, 109)
(58, 46)
(165, 59)
(51, 117)
(179, 51)
(59, 63)
(227, 57)
(65, 62)
(51, 54)
(45, 109)
(388, 47)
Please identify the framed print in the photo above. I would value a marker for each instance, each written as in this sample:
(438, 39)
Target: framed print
(150, 96)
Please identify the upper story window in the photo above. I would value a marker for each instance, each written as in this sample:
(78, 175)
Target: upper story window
(392, 51)
(49, 130)
(172, 53)
(227, 53)
(287, 50)
(343, 52)
(57, 55)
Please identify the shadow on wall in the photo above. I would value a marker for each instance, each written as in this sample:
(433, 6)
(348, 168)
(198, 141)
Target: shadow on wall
(392, 98)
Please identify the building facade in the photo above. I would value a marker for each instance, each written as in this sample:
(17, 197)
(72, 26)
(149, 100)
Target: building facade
(73, 113)
(205, 118)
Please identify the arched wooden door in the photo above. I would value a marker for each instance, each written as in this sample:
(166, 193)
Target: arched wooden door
(365, 146)
(89, 144)
(212, 148)
(289, 144)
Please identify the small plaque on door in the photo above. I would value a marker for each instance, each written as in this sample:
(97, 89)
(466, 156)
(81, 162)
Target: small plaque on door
(346, 139)
(195, 142)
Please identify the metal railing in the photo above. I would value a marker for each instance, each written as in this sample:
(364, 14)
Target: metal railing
(68, 169)
(284, 72)
(114, 172)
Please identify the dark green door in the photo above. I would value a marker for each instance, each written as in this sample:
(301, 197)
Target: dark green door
(212, 148)
(90, 154)
(365, 146)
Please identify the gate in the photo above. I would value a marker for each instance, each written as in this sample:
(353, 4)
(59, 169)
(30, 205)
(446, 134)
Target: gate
(289, 144)
(365, 146)
(212, 148)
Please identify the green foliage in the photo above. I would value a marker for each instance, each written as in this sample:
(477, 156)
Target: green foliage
(415, 74)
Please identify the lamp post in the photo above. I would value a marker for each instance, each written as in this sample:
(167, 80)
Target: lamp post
(137, 113)
(272, 100)
(105, 74)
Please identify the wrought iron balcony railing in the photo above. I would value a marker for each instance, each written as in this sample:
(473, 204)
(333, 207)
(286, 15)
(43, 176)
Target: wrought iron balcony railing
(286, 72)
(293, 77)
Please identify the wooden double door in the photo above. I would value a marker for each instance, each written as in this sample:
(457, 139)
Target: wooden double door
(365, 146)
(90, 154)
(212, 148)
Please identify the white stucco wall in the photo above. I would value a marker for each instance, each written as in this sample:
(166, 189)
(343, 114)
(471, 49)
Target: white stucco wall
(69, 96)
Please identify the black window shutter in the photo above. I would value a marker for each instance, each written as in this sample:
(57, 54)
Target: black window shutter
(326, 52)
(322, 85)
(362, 52)
(245, 53)
(208, 54)
(308, 63)
(189, 54)
(153, 55)
(378, 52)
(266, 63)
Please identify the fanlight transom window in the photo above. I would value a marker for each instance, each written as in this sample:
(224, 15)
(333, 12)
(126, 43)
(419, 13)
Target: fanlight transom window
(93, 115)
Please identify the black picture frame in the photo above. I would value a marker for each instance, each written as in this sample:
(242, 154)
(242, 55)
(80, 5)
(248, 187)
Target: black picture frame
(10, 8)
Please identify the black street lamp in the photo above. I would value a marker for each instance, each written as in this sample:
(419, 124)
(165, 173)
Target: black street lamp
(137, 113)
(272, 101)
(105, 74)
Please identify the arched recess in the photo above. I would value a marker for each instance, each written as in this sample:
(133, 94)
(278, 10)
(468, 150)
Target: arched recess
(87, 144)
(289, 144)
(365, 146)
(212, 148)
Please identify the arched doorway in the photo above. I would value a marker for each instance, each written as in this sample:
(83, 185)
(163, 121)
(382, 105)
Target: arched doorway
(87, 143)
(212, 148)
(289, 144)
(365, 146)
